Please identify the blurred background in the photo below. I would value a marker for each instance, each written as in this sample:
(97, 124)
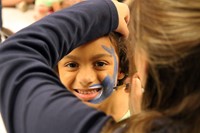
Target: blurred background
(17, 14)
(15, 19)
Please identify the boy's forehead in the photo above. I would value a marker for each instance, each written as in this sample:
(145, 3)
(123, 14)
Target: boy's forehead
(98, 43)
(101, 46)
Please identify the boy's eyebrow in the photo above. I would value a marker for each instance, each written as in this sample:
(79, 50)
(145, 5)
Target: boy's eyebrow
(94, 57)
(101, 55)
(71, 57)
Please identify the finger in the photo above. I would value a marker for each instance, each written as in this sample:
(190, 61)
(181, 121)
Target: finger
(126, 22)
(124, 30)
(123, 24)
(127, 16)
(124, 17)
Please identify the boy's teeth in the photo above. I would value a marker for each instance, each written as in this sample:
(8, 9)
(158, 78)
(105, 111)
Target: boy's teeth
(87, 91)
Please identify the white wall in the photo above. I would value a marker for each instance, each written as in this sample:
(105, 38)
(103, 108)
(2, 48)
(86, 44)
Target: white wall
(2, 128)
(15, 19)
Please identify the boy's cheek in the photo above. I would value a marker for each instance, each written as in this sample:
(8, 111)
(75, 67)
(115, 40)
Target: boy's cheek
(67, 80)
(102, 76)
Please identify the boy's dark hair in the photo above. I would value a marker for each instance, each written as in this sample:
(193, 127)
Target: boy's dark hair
(121, 49)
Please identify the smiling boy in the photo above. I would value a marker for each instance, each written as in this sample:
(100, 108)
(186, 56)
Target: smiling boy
(92, 70)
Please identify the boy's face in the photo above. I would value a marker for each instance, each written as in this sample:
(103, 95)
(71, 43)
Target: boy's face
(91, 70)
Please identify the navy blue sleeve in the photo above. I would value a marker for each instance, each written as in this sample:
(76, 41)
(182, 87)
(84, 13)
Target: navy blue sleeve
(32, 98)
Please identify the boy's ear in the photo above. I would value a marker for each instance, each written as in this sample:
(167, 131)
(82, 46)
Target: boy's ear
(121, 75)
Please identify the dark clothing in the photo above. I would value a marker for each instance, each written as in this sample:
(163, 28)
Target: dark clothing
(33, 100)
(0, 19)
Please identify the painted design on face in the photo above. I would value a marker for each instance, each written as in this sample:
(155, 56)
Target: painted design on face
(95, 86)
(107, 90)
(109, 82)
(100, 93)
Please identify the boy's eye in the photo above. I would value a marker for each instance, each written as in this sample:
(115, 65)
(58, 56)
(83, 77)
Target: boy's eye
(72, 65)
(100, 64)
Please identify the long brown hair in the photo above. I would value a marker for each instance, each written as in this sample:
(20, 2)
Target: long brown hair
(168, 31)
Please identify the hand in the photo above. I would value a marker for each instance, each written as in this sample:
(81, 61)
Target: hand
(124, 17)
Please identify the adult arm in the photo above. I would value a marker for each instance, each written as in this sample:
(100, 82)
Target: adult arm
(32, 98)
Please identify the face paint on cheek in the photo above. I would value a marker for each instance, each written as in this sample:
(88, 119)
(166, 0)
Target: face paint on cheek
(108, 83)
(106, 91)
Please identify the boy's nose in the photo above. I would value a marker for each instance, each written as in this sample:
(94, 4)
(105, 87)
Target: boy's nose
(86, 76)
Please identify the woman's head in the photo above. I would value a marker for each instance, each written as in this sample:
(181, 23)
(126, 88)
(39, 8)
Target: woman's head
(166, 39)
(168, 34)
(91, 71)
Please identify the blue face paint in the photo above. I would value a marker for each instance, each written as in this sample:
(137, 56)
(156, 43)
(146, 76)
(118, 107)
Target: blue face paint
(106, 91)
(108, 83)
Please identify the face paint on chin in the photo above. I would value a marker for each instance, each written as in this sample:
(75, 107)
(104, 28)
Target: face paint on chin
(106, 91)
